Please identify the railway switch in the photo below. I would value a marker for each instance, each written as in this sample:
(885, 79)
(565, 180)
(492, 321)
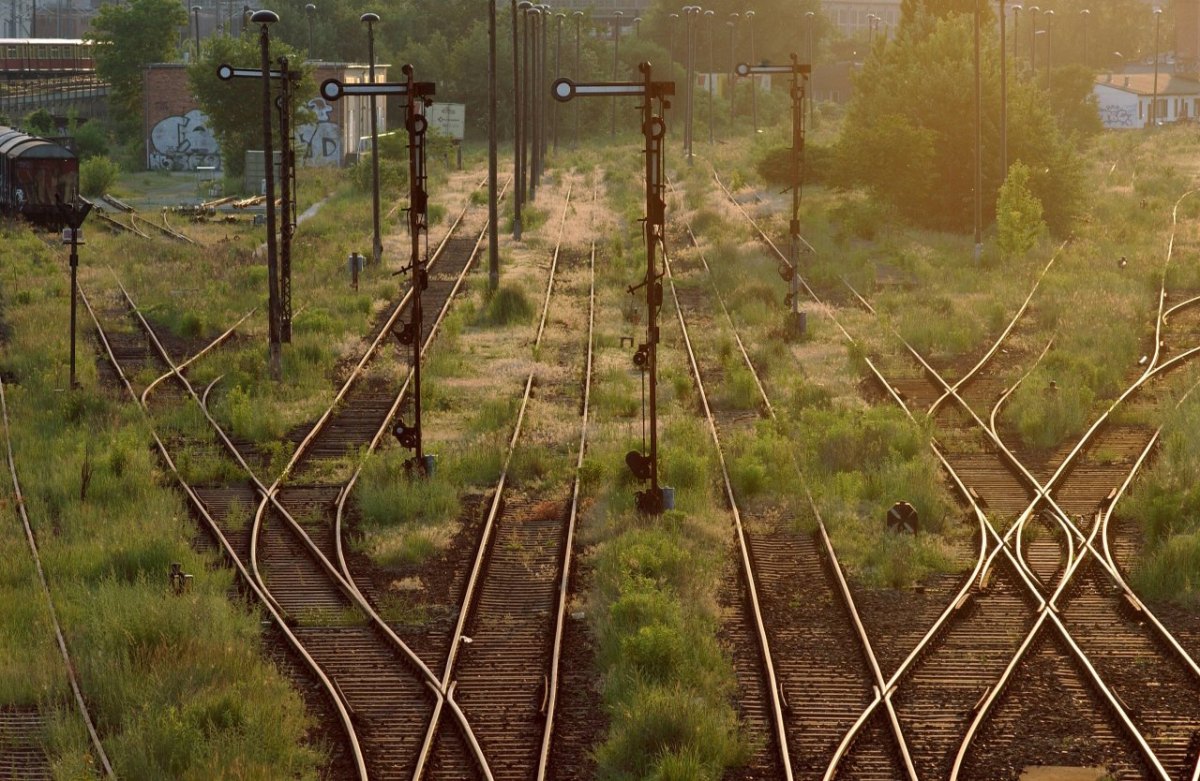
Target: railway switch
(655, 99)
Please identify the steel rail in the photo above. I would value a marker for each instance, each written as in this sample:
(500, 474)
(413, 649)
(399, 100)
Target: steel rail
(381, 432)
(215, 343)
(1043, 492)
(764, 643)
(843, 587)
(1002, 545)
(59, 637)
(270, 495)
(489, 524)
(214, 528)
(564, 586)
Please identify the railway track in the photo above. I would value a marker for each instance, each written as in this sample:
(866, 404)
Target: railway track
(374, 682)
(23, 730)
(502, 657)
(794, 587)
(1096, 627)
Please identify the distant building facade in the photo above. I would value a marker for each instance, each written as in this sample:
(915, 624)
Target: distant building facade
(852, 18)
(179, 137)
(1124, 100)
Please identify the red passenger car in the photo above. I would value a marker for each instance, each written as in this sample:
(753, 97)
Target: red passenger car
(45, 55)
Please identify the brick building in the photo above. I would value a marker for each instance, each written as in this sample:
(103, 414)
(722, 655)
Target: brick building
(178, 137)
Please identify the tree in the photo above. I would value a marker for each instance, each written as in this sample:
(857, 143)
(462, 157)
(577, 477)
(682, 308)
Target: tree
(1019, 222)
(917, 96)
(234, 108)
(130, 37)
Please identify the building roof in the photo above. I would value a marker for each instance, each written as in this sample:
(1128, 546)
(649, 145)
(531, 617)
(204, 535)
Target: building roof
(1169, 84)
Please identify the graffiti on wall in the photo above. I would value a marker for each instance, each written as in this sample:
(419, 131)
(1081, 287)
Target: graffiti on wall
(1115, 116)
(183, 143)
(320, 141)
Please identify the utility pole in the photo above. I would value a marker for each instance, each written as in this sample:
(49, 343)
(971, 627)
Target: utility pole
(1003, 98)
(753, 82)
(616, 63)
(493, 157)
(518, 142)
(557, 69)
(575, 72)
(708, 17)
(978, 142)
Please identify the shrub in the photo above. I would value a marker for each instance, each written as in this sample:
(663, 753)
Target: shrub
(91, 141)
(97, 175)
(506, 306)
(1019, 222)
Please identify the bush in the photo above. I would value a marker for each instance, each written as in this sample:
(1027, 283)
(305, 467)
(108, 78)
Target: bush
(506, 306)
(91, 141)
(97, 175)
(775, 166)
(1019, 222)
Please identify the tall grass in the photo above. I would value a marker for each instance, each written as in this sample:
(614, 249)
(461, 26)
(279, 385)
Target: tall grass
(177, 684)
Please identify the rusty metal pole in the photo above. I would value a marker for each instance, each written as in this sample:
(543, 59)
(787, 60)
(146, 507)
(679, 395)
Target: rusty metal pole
(275, 361)
(369, 19)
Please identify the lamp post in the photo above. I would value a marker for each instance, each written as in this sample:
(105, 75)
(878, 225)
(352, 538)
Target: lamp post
(671, 36)
(541, 91)
(871, 31)
(73, 215)
(978, 141)
(310, 11)
(1086, 14)
(708, 17)
(578, 23)
(1003, 97)
(732, 24)
(1017, 8)
(637, 27)
(753, 82)
(369, 19)
(1049, 17)
(518, 143)
(526, 103)
(196, 16)
(557, 70)
(493, 156)
(810, 18)
(1154, 101)
(616, 54)
(265, 19)
(535, 114)
(1033, 12)
(690, 12)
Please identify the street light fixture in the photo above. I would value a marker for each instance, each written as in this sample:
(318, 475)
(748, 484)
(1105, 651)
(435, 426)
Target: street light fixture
(493, 156)
(690, 11)
(637, 27)
(369, 19)
(310, 11)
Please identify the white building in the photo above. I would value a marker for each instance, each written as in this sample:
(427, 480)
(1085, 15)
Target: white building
(1124, 99)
